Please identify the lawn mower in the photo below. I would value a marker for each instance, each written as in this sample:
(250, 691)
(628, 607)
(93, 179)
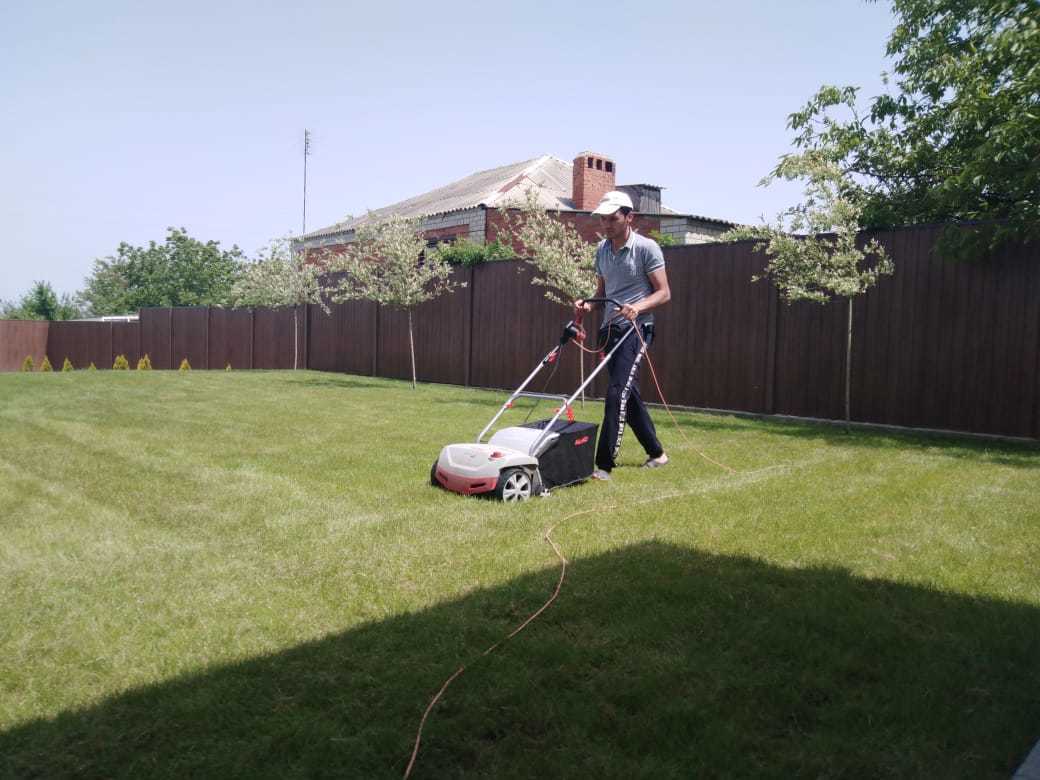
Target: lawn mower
(521, 461)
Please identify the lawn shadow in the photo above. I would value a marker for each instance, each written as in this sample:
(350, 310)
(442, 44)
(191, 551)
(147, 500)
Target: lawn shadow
(657, 661)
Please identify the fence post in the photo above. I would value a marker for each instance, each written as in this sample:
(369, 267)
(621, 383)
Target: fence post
(252, 336)
(375, 342)
(307, 307)
(111, 344)
(208, 309)
(171, 337)
(469, 328)
(771, 337)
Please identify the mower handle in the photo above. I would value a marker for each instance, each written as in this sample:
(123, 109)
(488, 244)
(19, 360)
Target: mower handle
(603, 300)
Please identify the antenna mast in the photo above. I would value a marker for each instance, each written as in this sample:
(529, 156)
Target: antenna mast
(306, 154)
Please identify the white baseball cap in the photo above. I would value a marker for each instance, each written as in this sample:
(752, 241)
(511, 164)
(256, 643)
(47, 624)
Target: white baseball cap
(612, 201)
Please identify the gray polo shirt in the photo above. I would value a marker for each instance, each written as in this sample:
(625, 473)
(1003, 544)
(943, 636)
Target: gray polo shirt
(626, 274)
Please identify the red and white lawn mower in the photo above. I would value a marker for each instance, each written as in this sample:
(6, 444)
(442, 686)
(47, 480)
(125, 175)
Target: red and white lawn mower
(527, 460)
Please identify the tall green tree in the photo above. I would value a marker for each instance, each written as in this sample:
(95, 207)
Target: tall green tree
(957, 137)
(182, 271)
(389, 263)
(41, 303)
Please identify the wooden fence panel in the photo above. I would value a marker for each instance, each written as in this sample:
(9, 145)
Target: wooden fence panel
(20, 339)
(345, 339)
(230, 338)
(190, 336)
(441, 329)
(157, 337)
(514, 327)
(810, 359)
(82, 343)
(714, 334)
(126, 340)
(273, 338)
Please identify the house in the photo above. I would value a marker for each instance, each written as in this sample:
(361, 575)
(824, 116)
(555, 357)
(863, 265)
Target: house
(471, 208)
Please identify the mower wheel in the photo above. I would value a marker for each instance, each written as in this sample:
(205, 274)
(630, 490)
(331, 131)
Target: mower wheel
(514, 485)
(433, 475)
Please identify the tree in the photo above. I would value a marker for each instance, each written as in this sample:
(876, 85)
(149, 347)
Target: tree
(41, 303)
(815, 266)
(387, 264)
(182, 271)
(564, 262)
(280, 278)
(958, 140)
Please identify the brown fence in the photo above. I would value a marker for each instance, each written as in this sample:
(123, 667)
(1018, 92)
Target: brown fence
(20, 339)
(950, 345)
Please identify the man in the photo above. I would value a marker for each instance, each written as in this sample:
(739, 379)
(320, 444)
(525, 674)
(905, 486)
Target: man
(630, 269)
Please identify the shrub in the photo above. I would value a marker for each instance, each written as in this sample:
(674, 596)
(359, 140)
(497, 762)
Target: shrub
(46, 365)
(663, 239)
(227, 367)
(27, 364)
(144, 364)
(91, 367)
(121, 364)
(67, 365)
(464, 252)
(185, 365)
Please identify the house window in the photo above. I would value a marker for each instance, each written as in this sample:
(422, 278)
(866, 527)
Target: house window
(590, 162)
(435, 240)
(599, 165)
(610, 167)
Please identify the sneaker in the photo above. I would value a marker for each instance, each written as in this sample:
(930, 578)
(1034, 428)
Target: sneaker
(656, 463)
(602, 475)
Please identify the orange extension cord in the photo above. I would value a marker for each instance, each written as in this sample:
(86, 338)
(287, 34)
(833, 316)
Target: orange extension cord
(559, 554)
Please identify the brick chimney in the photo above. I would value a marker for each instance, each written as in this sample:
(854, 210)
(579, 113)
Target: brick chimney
(592, 178)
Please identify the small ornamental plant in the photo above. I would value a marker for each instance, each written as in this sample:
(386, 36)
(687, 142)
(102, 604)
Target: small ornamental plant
(27, 364)
(91, 367)
(185, 365)
(144, 364)
(46, 365)
(67, 366)
(227, 367)
(121, 363)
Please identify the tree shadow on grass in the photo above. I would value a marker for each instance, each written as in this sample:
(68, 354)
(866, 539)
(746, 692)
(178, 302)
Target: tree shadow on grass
(657, 661)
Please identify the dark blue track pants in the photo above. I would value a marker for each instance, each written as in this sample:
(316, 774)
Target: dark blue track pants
(623, 402)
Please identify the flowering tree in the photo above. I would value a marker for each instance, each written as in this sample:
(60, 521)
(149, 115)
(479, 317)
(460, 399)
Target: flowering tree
(278, 277)
(812, 249)
(564, 262)
(386, 264)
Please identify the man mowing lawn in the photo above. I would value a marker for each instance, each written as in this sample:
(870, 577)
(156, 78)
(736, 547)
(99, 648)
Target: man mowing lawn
(630, 269)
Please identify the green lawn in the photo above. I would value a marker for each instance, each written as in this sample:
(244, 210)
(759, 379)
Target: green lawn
(247, 574)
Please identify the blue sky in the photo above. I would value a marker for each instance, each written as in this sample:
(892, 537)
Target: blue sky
(123, 118)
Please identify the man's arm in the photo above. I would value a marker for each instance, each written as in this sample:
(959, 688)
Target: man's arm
(660, 296)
